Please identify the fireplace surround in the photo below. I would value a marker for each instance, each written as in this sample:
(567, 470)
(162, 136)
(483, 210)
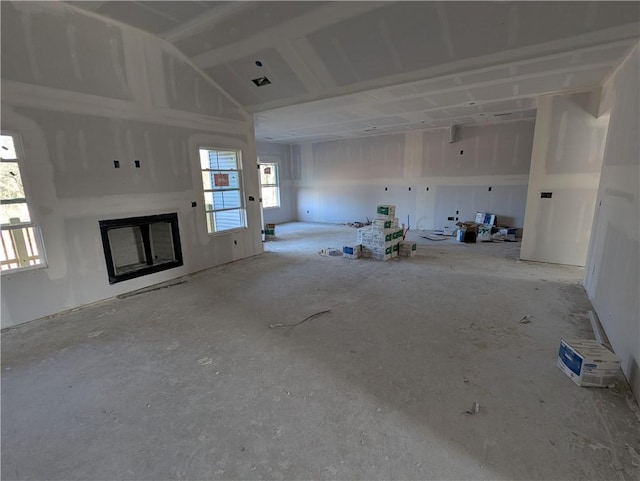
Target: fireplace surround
(138, 246)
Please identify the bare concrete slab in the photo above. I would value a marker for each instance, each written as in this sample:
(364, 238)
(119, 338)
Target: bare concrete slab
(190, 382)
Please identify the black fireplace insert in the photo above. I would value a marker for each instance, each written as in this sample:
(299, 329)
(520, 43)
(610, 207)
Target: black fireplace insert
(137, 246)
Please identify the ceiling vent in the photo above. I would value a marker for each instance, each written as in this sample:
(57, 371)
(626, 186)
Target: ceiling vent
(261, 81)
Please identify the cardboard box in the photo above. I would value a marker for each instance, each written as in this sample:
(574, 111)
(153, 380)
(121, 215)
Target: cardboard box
(352, 251)
(588, 363)
(382, 255)
(469, 237)
(407, 249)
(484, 233)
(385, 224)
(386, 210)
(408, 245)
(467, 226)
(485, 218)
(466, 236)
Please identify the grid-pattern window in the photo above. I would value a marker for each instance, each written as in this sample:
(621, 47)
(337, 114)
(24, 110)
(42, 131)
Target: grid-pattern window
(269, 186)
(20, 241)
(222, 182)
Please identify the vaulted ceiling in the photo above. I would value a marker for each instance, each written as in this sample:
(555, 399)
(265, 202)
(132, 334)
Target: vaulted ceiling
(348, 69)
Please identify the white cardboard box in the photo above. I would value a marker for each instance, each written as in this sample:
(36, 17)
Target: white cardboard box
(352, 251)
(588, 363)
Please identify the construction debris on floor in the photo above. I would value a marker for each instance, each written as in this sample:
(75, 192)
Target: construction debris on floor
(358, 224)
(330, 252)
(484, 229)
(312, 316)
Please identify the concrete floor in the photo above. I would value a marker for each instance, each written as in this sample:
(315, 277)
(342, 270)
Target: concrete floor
(189, 382)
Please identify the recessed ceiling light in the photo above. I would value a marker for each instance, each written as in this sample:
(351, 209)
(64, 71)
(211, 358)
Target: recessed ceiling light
(258, 63)
(261, 81)
(268, 138)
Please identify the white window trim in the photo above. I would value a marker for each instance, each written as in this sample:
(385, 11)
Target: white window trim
(243, 206)
(277, 184)
(37, 231)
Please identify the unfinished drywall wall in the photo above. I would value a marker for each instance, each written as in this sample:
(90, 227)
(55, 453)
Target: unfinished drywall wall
(612, 274)
(279, 154)
(566, 161)
(428, 179)
(81, 92)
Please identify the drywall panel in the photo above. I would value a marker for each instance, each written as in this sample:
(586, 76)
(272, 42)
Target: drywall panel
(500, 150)
(189, 90)
(62, 50)
(236, 78)
(508, 202)
(85, 147)
(613, 264)
(379, 157)
(249, 22)
(155, 17)
(343, 181)
(560, 231)
(565, 164)
(585, 153)
(344, 47)
(279, 154)
(71, 136)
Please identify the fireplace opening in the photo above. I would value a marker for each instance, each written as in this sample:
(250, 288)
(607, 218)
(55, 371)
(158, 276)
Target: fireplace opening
(137, 246)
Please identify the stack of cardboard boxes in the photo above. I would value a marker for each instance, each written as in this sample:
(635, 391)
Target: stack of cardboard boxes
(383, 239)
(380, 239)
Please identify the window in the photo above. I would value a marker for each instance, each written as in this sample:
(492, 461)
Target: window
(21, 244)
(269, 185)
(222, 182)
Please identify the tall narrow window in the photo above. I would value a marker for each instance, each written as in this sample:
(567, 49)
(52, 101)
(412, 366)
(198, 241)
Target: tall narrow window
(222, 182)
(21, 245)
(269, 185)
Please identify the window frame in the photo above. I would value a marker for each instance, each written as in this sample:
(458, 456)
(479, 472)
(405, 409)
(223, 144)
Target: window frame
(28, 201)
(239, 170)
(276, 166)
